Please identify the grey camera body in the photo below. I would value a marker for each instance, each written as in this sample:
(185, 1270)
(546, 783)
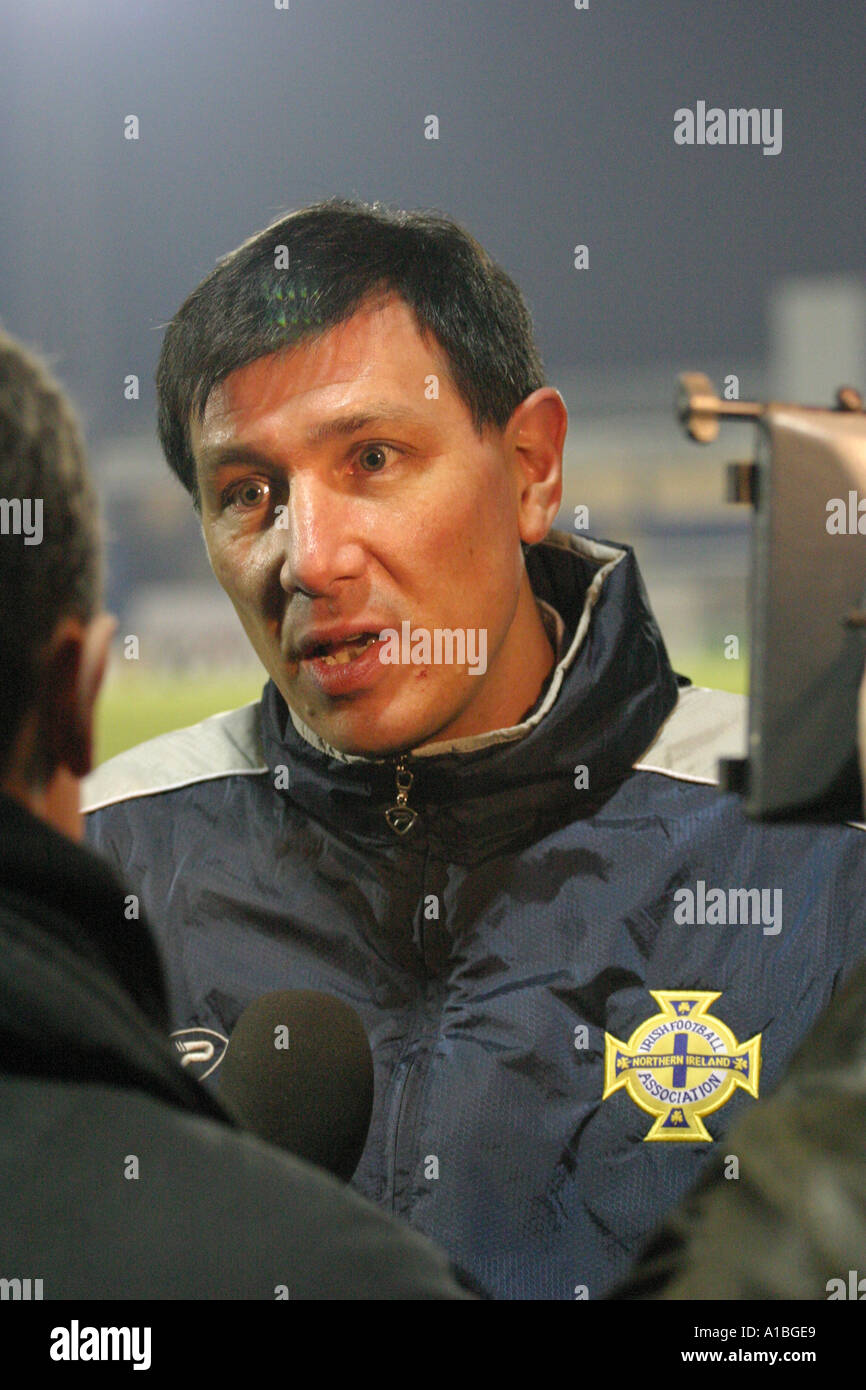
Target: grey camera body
(807, 487)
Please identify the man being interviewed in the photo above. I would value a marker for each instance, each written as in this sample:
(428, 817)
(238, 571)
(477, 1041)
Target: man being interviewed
(472, 801)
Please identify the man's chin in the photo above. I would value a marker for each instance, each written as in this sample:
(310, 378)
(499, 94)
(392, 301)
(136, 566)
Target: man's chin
(377, 724)
(364, 745)
(359, 737)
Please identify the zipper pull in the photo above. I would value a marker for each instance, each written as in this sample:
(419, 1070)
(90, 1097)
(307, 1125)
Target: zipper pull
(400, 816)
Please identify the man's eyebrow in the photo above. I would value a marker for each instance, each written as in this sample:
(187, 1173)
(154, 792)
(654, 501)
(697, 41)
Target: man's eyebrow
(350, 424)
(213, 457)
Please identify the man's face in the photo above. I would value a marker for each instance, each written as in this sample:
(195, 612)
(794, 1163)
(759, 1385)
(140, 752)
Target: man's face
(341, 497)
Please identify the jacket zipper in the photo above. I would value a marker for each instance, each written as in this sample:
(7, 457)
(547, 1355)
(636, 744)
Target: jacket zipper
(398, 1102)
(401, 817)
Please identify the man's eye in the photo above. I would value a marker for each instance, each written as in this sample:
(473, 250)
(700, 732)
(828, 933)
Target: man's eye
(373, 458)
(246, 496)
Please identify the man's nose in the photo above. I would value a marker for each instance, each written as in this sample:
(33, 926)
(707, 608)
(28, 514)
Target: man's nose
(321, 538)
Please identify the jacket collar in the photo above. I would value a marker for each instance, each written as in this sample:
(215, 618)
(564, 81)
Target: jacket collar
(607, 696)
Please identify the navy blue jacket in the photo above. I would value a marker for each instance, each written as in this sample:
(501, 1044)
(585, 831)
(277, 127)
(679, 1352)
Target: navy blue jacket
(502, 953)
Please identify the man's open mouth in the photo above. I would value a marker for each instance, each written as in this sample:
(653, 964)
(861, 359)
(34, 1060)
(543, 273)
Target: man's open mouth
(340, 653)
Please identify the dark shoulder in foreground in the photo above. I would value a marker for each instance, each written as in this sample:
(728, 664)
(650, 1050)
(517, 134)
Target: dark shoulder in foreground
(211, 1213)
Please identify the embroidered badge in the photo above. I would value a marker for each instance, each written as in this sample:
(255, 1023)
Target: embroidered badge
(681, 1064)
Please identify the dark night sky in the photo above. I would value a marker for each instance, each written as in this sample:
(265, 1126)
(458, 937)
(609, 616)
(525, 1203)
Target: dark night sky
(556, 127)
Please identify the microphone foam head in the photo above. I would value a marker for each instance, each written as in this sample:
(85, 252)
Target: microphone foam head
(298, 1072)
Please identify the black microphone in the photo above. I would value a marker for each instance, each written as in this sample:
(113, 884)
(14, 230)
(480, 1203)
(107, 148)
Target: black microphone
(298, 1072)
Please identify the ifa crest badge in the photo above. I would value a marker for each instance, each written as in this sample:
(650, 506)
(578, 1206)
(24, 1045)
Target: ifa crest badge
(681, 1064)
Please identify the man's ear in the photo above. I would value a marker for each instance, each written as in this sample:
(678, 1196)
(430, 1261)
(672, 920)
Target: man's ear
(536, 435)
(73, 669)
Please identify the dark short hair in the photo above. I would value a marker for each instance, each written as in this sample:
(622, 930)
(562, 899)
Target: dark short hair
(41, 461)
(312, 270)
